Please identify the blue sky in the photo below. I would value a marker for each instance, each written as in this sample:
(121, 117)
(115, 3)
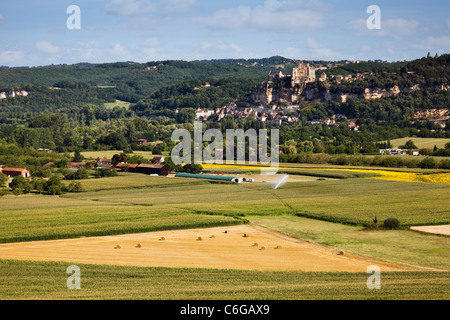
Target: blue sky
(35, 33)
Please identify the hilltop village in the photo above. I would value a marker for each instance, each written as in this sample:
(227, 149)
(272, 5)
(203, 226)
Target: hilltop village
(274, 101)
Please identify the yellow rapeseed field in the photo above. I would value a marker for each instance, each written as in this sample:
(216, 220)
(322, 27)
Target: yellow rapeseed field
(440, 178)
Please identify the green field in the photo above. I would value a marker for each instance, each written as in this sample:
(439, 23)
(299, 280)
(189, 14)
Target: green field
(351, 201)
(421, 142)
(330, 212)
(117, 103)
(47, 280)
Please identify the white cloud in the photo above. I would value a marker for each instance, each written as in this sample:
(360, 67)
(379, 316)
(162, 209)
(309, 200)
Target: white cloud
(439, 44)
(320, 52)
(88, 51)
(120, 51)
(397, 28)
(47, 47)
(11, 56)
(150, 42)
(273, 15)
(220, 49)
(138, 7)
(221, 45)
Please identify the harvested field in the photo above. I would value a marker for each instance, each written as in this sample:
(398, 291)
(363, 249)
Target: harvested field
(230, 250)
(442, 229)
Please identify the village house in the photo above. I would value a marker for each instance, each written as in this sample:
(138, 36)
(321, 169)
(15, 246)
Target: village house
(12, 172)
(353, 126)
(142, 142)
(104, 163)
(158, 160)
(393, 152)
(203, 114)
(75, 165)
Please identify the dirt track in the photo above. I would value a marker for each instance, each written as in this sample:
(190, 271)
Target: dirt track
(182, 248)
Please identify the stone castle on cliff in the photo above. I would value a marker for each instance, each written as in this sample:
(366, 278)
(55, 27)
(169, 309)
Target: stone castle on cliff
(282, 88)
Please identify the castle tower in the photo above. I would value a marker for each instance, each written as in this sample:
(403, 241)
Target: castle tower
(303, 73)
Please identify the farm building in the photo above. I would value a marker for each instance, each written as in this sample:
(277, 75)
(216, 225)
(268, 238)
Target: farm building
(75, 165)
(209, 176)
(104, 163)
(122, 166)
(148, 168)
(12, 172)
(143, 142)
(158, 160)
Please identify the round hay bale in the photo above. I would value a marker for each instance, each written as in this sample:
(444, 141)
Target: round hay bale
(226, 231)
(341, 252)
(245, 235)
(255, 245)
(162, 238)
(117, 246)
(199, 238)
(139, 245)
(262, 248)
(278, 247)
(213, 236)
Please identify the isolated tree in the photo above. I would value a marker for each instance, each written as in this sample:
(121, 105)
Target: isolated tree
(409, 145)
(20, 185)
(192, 168)
(38, 184)
(119, 158)
(79, 174)
(172, 166)
(77, 157)
(54, 185)
(75, 186)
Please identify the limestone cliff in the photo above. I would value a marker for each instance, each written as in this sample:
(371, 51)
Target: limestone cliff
(12, 94)
(326, 95)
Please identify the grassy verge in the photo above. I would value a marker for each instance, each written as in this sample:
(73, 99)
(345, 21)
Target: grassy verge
(47, 280)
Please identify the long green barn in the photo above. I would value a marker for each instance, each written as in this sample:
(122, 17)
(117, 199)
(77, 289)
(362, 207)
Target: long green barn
(208, 176)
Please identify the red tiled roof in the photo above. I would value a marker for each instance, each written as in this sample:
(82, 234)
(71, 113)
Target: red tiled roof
(75, 164)
(15, 169)
(150, 165)
(48, 165)
(130, 165)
